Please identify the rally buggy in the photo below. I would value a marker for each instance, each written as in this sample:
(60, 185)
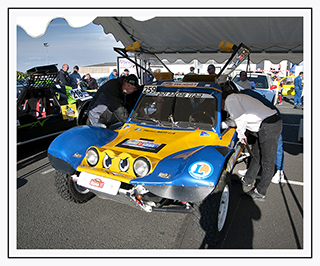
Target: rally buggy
(172, 154)
(46, 108)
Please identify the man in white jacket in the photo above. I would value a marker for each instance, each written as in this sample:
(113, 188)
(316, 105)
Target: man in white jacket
(244, 83)
(252, 115)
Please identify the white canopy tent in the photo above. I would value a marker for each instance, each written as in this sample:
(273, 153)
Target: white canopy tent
(188, 38)
(193, 37)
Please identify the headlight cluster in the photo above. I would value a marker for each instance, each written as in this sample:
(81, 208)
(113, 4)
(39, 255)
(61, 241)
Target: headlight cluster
(141, 167)
(124, 162)
(107, 160)
(92, 157)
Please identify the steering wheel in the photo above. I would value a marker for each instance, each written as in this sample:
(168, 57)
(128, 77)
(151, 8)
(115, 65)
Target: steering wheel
(201, 117)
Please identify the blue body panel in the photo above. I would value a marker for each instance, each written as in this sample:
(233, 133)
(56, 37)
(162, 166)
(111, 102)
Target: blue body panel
(269, 95)
(197, 167)
(71, 145)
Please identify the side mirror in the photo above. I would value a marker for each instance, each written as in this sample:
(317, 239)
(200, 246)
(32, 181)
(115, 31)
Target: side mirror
(273, 87)
(227, 46)
(133, 47)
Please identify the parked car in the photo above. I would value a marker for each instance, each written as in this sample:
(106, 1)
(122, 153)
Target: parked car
(20, 86)
(102, 80)
(287, 84)
(263, 85)
(45, 108)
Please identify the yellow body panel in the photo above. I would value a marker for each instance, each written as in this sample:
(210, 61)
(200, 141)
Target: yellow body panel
(174, 141)
(287, 89)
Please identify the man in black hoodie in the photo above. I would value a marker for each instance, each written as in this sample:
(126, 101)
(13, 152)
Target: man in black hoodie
(114, 100)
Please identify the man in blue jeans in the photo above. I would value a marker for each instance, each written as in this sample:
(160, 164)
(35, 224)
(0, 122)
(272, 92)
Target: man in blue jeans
(298, 90)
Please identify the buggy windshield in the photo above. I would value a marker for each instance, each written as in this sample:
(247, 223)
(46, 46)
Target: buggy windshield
(181, 110)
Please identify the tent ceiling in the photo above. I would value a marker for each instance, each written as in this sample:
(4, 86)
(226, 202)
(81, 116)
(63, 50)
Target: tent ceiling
(188, 38)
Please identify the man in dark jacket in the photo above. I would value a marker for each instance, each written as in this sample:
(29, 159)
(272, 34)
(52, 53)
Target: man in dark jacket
(63, 77)
(114, 100)
(249, 113)
(92, 83)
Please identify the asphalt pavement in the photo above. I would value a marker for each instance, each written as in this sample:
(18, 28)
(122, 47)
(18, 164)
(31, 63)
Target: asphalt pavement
(48, 226)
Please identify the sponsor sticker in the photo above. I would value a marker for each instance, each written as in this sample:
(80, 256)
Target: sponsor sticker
(141, 144)
(201, 170)
(97, 182)
(204, 134)
(180, 84)
(69, 111)
(164, 175)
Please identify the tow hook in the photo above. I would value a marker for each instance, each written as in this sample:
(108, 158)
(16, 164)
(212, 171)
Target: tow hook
(75, 178)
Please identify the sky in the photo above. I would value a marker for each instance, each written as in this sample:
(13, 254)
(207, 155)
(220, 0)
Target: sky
(83, 46)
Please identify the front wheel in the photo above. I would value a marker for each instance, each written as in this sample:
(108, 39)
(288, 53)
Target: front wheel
(69, 190)
(211, 214)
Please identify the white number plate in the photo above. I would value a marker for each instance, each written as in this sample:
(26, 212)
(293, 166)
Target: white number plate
(77, 94)
(99, 183)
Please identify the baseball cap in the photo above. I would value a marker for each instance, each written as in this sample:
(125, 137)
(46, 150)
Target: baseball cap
(132, 79)
(210, 67)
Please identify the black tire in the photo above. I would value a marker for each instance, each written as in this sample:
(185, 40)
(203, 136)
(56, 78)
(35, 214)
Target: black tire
(69, 190)
(210, 215)
(83, 115)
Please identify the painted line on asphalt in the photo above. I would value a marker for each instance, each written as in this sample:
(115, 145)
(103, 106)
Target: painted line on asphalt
(48, 171)
(291, 182)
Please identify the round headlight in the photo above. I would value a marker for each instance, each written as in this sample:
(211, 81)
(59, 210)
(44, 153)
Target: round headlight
(92, 156)
(107, 161)
(141, 167)
(124, 165)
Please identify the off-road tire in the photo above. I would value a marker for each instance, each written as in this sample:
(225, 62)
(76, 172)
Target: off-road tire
(206, 213)
(69, 190)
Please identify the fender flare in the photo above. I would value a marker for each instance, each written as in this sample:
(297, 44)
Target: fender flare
(67, 151)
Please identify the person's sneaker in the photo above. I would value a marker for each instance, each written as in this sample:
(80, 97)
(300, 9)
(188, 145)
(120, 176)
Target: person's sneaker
(241, 182)
(276, 178)
(279, 175)
(253, 194)
(242, 172)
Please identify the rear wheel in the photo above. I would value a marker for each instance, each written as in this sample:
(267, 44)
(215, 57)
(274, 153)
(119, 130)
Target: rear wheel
(69, 190)
(211, 214)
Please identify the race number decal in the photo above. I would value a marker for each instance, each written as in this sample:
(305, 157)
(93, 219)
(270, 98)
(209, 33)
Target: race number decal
(149, 89)
(78, 94)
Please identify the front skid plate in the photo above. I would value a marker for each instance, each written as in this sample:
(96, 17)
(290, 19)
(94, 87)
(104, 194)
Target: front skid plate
(189, 194)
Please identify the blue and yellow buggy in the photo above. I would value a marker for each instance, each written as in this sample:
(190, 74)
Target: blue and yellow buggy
(172, 154)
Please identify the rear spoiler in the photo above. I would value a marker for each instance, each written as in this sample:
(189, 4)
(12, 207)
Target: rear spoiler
(42, 76)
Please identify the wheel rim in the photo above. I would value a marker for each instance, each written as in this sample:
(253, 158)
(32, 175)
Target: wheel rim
(223, 207)
(80, 189)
